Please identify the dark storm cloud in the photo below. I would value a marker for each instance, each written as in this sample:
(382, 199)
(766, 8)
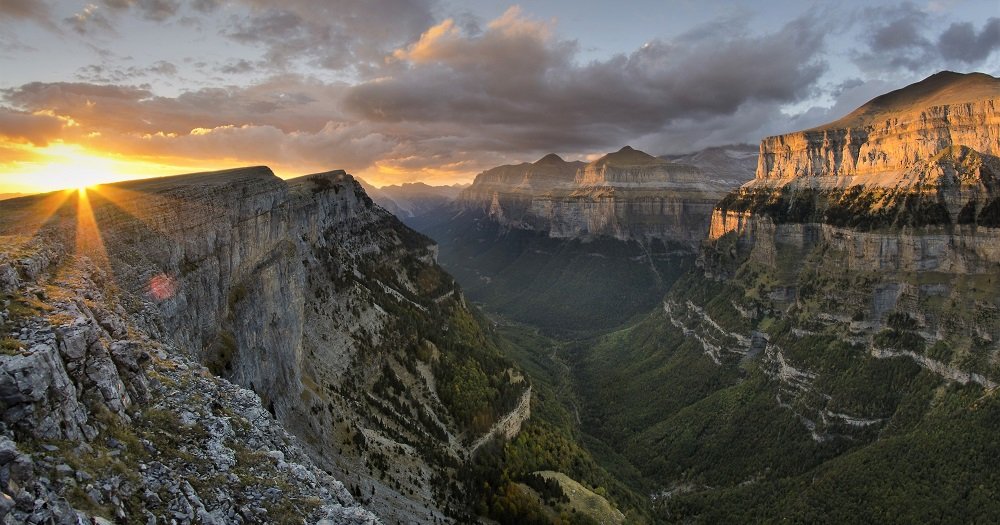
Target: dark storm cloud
(903, 30)
(962, 42)
(895, 39)
(533, 94)
(901, 38)
(336, 34)
(751, 122)
(422, 99)
(455, 100)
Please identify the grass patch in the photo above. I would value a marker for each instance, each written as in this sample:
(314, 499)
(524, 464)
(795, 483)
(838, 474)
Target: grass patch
(10, 346)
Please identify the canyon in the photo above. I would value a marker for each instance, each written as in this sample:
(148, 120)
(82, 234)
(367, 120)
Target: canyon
(823, 329)
(567, 245)
(808, 330)
(329, 313)
(841, 301)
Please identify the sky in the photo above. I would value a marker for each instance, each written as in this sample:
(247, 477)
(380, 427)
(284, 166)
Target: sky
(439, 90)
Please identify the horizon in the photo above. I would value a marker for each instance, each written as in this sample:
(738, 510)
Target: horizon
(92, 96)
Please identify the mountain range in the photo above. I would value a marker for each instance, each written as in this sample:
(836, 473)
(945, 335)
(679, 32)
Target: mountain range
(804, 331)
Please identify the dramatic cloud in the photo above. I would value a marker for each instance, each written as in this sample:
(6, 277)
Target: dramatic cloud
(335, 34)
(290, 104)
(515, 86)
(286, 121)
(962, 42)
(402, 90)
(453, 100)
(900, 38)
(36, 129)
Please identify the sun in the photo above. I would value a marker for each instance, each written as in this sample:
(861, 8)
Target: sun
(63, 166)
(60, 166)
(73, 167)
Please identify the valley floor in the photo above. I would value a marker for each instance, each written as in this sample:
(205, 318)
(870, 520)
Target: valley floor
(712, 414)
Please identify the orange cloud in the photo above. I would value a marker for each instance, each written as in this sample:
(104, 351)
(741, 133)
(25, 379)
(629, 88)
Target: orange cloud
(35, 128)
(432, 44)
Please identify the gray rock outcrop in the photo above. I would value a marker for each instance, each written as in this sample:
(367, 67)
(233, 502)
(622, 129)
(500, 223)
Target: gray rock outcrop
(241, 310)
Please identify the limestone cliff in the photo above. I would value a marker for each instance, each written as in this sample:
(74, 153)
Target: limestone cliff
(303, 291)
(879, 229)
(925, 156)
(843, 328)
(880, 143)
(627, 195)
(506, 192)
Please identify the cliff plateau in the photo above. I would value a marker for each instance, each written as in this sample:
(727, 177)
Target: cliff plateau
(627, 195)
(838, 341)
(136, 307)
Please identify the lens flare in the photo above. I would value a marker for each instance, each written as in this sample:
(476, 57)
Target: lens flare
(162, 287)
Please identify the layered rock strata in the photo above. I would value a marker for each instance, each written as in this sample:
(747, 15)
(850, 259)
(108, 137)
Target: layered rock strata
(627, 195)
(883, 224)
(302, 291)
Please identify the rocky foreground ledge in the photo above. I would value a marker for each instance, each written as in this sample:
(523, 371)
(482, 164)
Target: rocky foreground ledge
(103, 421)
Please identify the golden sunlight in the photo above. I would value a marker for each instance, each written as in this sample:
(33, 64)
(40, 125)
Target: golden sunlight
(88, 233)
(61, 165)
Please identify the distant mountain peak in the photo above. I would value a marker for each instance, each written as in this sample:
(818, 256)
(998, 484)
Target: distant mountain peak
(628, 156)
(891, 138)
(939, 89)
(551, 158)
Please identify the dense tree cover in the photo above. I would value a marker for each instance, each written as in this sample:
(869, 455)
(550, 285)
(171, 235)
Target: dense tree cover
(730, 444)
(945, 469)
(499, 466)
(470, 367)
(857, 207)
(549, 440)
(549, 489)
(642, 410)
(472, 373)
(570, 287)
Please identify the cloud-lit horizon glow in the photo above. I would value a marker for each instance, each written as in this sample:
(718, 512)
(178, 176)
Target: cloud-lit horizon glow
(439, 90)
(61, 165)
